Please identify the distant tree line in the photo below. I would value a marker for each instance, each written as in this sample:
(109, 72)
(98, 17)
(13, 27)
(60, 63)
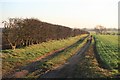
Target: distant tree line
(106, 31)
(19, 32)
(100, 29)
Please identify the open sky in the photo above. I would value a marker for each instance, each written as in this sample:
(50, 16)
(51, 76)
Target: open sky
(71, 13)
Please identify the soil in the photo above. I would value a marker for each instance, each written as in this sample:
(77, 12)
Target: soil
(66, 70)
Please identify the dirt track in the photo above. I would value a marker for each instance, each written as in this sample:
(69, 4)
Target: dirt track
(65, 71)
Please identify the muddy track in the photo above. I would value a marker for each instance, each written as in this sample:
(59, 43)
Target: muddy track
(65, 71)
(31, 67)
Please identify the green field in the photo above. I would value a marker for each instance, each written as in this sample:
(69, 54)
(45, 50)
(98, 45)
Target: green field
(107, 48)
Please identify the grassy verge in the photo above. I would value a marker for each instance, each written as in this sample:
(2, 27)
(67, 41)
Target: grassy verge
(12, 59)
(56, 61)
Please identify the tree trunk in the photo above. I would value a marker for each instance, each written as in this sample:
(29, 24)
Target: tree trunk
(13, 47)
(26, 43)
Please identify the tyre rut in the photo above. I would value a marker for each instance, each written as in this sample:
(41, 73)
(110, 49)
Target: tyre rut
(65, 71)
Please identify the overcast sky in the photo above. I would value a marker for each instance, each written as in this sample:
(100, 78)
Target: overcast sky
(72, 13)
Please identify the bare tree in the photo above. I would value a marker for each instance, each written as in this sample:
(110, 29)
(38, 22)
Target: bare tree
(11, 31)
(100, 29)
(24, 32)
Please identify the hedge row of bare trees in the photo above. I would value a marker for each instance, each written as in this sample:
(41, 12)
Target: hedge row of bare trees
(100, 29)
(24, 32)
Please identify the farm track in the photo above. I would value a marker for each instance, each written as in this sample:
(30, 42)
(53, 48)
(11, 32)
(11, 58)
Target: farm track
(65, 71)
(31, 67)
